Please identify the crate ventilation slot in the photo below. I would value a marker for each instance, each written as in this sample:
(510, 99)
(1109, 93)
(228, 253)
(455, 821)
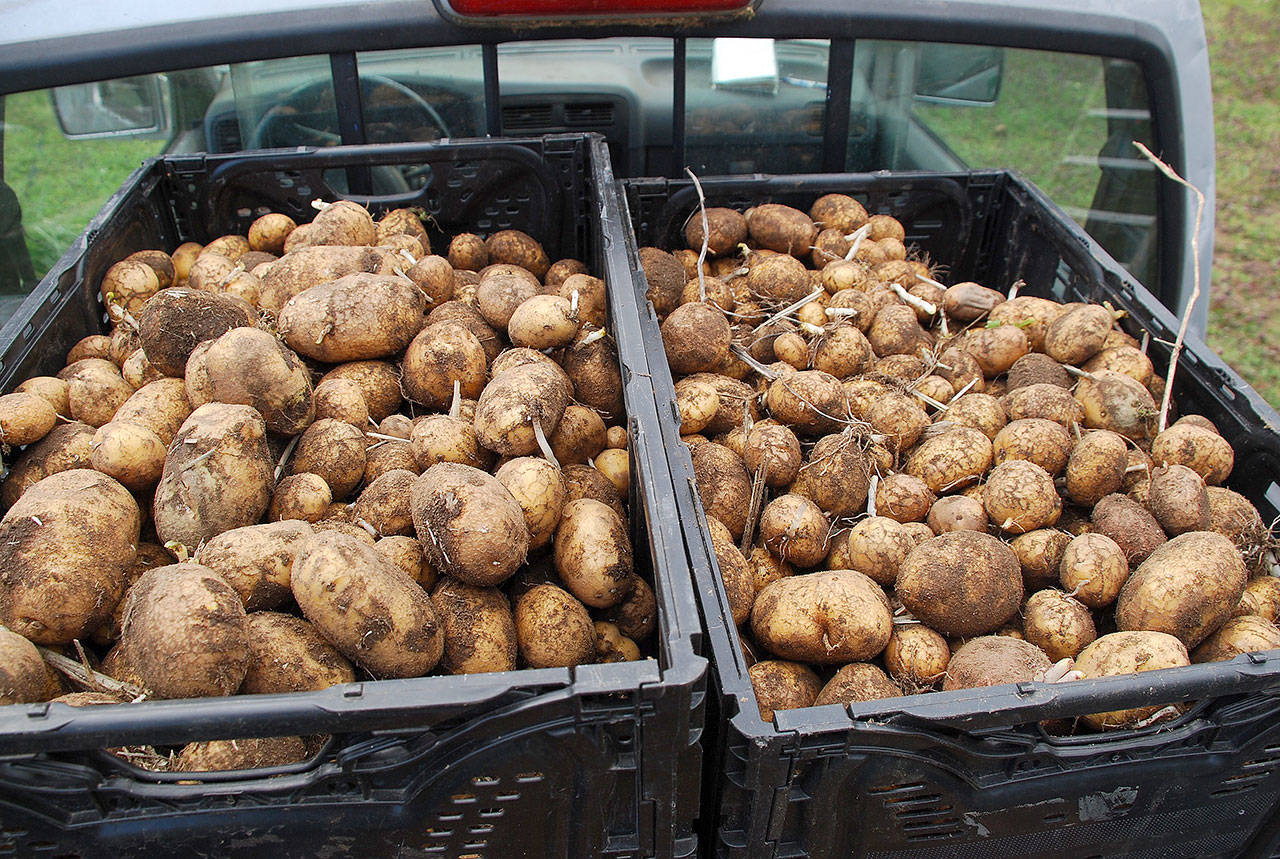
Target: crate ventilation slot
(1251, 774)
(921, 813)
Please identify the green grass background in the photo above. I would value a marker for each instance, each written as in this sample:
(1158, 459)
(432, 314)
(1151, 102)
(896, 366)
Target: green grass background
(1038, 118)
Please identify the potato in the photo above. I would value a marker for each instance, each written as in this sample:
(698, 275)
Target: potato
(25, 418)
(664, 276)
(616, 466)
(828, 618)
(1019, 496)
(357, 317)
(128, 284)
(898, 417)
(245, 753)
(726, 229)
(837, 476)
(501, 290)
(993, 660)
(553, 629)
(256, 560)
(217, 475)
(1044, 400)
(1178, 500)
(514, 247)
(696, 338)
(174, 321)
(579, 435)
(637, 615)
(968, 301)
(980, 411)
(723, 484)
(809, 401)
(22, 671)
(333, 450)
(95, 390)
(1057, 624)
(593, 553)
(65, 547)
(539, 488)
(857, 682)
(1093, 569)
(543, 322)
(211, 271)
(1043, 442)
(268, 232)
(795, 529)
(384, 504)
(877, 547)
(1077, 335)
(583, 481)
(440, 355)
(479, 628)
(780, 279)
(516, 401)
(250, 367)
(1203, 451)
(1127, 653)
(957, 513)
(1188, 587)
(612, 645)
(916, 656)
(288, 654)
(1096, 467)
(302, 268)
(1244, 634)
(131, 454)
(951, 460)
(588, 295)
(51, 389)
(402, 222)
(1040, 554)
(903, 498)
(996, 348)
(468, 251)
(895, 330)
(469, 525)
(367, 607)
(183, 256)
(1130, 525)
(782, 685)
(303, 496)
(961, 583)
(775, 448)
(161, 406)
(185, 631)
(66, 446)
(781, 228)
(1114, 401)
(231, 246)
(736, 399)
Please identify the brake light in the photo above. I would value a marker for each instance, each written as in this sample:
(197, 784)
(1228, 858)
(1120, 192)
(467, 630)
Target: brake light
(589, 8)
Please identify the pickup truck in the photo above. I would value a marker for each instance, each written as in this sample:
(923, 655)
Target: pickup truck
(718, 86)
(713, 87)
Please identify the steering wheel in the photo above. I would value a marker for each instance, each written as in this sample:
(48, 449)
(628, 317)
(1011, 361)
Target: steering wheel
(306, 115)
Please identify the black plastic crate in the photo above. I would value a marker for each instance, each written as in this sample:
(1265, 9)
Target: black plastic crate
(970, 773)
(601, 760)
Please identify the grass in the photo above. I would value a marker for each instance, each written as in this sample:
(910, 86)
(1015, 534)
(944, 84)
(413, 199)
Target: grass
(55, 211)
(1244, 321)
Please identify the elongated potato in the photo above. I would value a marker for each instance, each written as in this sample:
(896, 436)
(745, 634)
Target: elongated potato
(1128, 653)
(185, 632)
(65, 547)
(161, 406)
(593, 553)
(217, 475)
(66, 446)
(305, 267)
(469, 525)
(515, 401)
(1187, 587)
(479, 627)
(828, 618)
(256, 560)
(354, 318)
(553, 628)
(539, 488)
(366, 606)
(287, 654)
